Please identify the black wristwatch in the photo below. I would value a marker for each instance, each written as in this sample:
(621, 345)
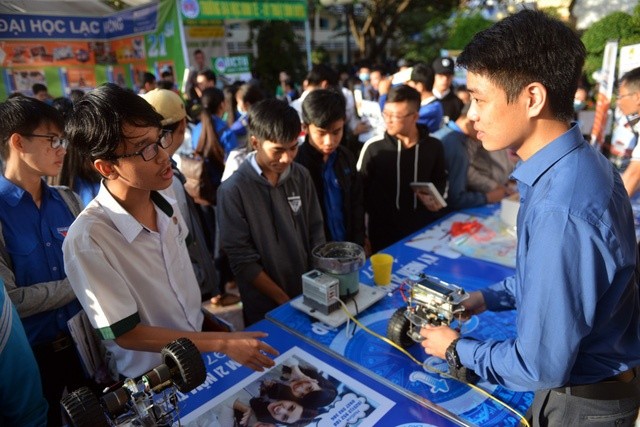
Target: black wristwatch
(456, 368)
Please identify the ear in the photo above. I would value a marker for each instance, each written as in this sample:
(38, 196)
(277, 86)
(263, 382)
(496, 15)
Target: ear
(105, 168)
(254, 142)
(305, 127)
(537, 101)
(16, 143)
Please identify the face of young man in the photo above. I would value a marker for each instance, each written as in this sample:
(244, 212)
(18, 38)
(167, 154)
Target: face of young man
(133, 171)
(442, 82)
(274, 157)
(326, 140)
(400, 118)
(38, 153)
(628, 100)
(499, 124)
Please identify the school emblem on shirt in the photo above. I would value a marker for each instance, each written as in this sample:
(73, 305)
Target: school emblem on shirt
(295, 203)
(63, 231)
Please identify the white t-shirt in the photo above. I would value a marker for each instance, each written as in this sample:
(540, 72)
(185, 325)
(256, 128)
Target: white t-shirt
(124, 274)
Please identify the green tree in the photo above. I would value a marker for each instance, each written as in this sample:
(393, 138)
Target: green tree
(616, 26)
(277, 51)
(463, 29)
(373, 23)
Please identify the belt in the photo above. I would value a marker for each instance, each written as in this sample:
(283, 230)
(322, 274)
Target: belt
(624, 385)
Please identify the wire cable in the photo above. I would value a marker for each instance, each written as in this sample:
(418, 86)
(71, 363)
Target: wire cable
(521, 418)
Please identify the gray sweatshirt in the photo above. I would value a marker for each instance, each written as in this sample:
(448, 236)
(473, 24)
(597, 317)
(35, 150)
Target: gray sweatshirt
(268, 228)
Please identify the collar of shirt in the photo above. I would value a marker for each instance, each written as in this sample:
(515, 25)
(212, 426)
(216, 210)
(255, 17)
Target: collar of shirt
(439, 94)
(251, 157)
(13, 194)
(126, 224)
(529, 171)
(428, 100)
(454, 126)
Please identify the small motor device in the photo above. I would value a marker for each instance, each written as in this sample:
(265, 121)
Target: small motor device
(320, 291)
(152, 401)
(431, 301)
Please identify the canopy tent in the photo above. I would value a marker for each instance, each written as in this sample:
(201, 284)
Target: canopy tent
(79, 51)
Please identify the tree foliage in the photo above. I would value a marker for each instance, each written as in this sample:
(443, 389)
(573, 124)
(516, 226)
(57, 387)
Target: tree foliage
(373, 23)
(463, 29)
(277, 51)
(616, 26)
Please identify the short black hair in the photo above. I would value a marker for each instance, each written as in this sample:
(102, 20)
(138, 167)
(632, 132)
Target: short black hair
(322, 72)
(64, 105)
(323, 107)
(75, 95)
(250, 93)
(23, 115)
(273, 120)
(95, 127)
(164, 84)
(38, 87)
(423, 73)
(148, 77)
(631, 79)
(404, 93)
(209, 75)
(528, 47)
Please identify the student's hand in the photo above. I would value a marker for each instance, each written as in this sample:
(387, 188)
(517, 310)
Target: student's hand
(384, 85)
(497, 194)
(428, 201)
(246, 349)
(362, 127)
(437, 339)
(474, 304)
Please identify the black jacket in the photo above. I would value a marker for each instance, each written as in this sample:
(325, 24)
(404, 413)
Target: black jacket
(387, 169)
(350, 183)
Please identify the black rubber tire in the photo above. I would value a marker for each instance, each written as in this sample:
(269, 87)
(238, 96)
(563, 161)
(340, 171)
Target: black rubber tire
(398, 328)
(185, 363)
(116, 401)
(83, 409)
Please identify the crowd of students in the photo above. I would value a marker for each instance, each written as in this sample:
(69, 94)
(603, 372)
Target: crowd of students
(139, 258)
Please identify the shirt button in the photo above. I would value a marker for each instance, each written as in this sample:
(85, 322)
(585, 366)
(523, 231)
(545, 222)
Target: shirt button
(48, 244)
(55, 268)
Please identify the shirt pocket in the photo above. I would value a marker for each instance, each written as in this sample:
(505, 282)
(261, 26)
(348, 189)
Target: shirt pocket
(20, 246)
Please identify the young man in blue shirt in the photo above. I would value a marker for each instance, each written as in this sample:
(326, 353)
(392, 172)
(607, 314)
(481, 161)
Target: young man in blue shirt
(575, 287)
(35, 218)
(332, 166)
(431, 113)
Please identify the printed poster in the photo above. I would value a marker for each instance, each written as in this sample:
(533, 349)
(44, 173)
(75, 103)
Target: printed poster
(336, 400)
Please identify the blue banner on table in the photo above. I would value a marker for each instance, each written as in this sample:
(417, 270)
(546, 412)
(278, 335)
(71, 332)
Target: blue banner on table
(437, 259)
(356, 398)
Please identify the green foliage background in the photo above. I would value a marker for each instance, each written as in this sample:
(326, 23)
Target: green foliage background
(616, 26)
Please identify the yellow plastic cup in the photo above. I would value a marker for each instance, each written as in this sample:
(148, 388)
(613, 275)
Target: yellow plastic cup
(381, 265)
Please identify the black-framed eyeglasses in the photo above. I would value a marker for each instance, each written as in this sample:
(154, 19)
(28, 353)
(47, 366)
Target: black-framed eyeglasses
(55, 141)
(150, 151)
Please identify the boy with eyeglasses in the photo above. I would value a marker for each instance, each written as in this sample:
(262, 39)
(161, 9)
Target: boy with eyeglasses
(34, 219)
(126, 254)
(389, 164)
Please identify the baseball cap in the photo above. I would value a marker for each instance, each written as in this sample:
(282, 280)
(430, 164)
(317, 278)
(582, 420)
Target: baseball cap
(443, 65)
(168, 104)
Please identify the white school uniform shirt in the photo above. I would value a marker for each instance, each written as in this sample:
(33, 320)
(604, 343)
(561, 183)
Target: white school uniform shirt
(125, 274)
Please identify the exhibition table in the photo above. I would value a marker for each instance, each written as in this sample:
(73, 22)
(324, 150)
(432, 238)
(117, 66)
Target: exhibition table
(360, 398)
(427, 251)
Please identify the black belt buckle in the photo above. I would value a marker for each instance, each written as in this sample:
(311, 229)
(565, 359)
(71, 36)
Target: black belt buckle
(61, 343)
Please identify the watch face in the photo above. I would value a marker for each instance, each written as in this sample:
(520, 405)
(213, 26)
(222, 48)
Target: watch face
(451, 358)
